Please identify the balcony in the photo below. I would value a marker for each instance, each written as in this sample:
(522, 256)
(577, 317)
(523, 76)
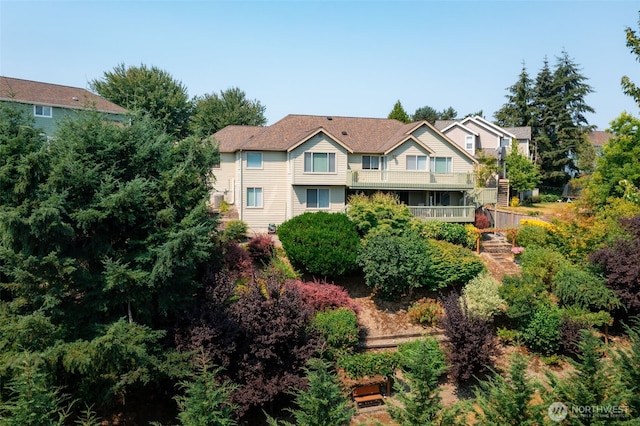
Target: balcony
(399, 180)
(445, 214)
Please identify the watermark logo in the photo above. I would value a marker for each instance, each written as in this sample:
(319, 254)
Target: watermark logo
(557, 411)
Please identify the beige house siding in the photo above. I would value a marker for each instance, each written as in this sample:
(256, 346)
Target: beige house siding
(486, 139)
(336, 199)
(443, 148)
(272, 178)
(320, 144)
(225, 177)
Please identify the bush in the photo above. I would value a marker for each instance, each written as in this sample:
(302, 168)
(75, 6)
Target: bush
(380, 210)
(542, 264)
(339, 328)
(482, 296)
(549, 198)
(450, 264)
(393, 264)
(453, 233)
(523, 296)
(261, 248)
(542, 334)
(425, 311)
(320, 296)
(236, 258)
(321, 243)
(367, 364)
(515, 202)
(482, 221)
(533, 236)
(235, 230)
(470, 340)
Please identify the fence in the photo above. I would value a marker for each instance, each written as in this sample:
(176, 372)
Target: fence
(505, 219)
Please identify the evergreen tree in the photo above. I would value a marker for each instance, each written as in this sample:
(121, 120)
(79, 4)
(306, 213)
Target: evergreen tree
(205, 400)
(518, 110)
(508, 400)
(589, 385)
(633, 43)
(323, 403)
(398, 113)
(627, 366)
(32, 401)
(422, 364)
(561, 124)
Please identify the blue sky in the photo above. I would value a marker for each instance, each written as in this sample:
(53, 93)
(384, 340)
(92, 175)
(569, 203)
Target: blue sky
(348, 58)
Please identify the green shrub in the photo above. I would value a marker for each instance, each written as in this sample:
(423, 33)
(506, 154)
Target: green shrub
(542, 334)
(549, 198)
(369, 364)
(235, 230)
(321, 243)
(425, 312)
(533, 236)
(393, 264)
(523, 296)
(378, 210)
(542, 264)
(339, 328)
(427, 347)
(450, 264)
(453, 233)
(482, 296)
(582, 288)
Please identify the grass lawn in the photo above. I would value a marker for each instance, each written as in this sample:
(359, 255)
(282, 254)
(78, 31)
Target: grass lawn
(546, 210)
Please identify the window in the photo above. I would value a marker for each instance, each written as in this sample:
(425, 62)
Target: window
(441, 164)
(317, 198)
(416, 162)
(254, 197)
(42, 111)
(319, 162)
(254, 160)
(370, 162)
(468, 143)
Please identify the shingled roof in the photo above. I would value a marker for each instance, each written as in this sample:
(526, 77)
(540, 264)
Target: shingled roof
(37, 93)
(365, 135)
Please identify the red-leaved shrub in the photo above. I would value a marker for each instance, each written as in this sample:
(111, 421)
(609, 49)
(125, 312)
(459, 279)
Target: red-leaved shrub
(261, 248)
(482, 221)
(320, 295)
(237, 258)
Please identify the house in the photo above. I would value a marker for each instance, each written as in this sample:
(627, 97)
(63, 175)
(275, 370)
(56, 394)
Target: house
(306, 163)
(477, 133)
(49, 103)
(598, 139)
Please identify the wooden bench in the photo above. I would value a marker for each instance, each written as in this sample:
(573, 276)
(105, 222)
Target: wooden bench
(366, 396)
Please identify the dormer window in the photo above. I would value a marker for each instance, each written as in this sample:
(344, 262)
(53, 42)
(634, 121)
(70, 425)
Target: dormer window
(42, 111)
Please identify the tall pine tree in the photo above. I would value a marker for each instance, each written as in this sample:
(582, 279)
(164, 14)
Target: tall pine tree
(518, 110)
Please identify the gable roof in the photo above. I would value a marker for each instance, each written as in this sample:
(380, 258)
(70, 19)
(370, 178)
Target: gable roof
(523, 132)
(460, 126)
(599, 138)
(479, 121)
(363, 135)
(37, 93)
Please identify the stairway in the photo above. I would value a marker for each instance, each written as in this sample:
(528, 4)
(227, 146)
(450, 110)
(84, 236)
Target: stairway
(495, 244)
(503, 192)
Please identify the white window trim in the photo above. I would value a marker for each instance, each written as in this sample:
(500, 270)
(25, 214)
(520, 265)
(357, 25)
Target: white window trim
(469, 140)
(261, 160)
(35, 113)
(433, 168)
(417, 169)
(328, 207)
(329, 154)
(261, 205)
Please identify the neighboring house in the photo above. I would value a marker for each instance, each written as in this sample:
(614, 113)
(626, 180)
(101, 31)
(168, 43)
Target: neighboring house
(598, 139)
(49, 103)
(476, 133)
(308, 163)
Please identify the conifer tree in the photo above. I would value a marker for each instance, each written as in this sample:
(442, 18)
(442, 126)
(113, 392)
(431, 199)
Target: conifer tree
(323, 403)
(588, 386)
(422, 365)
(508, 400)
(627, 366)
(398, 113)
(518, 110)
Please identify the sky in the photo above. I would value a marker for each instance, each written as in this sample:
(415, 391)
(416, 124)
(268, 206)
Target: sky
(339, 58)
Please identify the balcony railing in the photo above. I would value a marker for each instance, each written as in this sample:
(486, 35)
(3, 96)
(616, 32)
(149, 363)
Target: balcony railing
(378, 179)
(445, 214)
